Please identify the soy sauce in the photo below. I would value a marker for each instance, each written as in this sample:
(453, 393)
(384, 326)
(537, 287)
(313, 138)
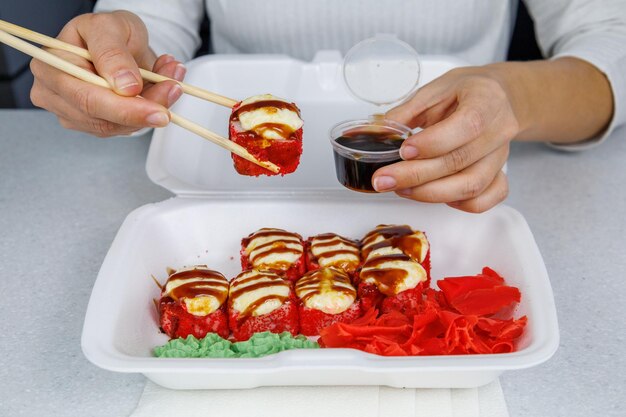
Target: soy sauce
(355, 171)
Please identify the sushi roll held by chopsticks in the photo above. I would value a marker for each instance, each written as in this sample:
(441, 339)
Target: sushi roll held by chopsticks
(270, 128)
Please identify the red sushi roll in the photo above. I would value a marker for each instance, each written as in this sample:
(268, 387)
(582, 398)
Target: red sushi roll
(274, 250)
(326, 297)
(261, 301)
(395, 270)
(332, 250)
(270, 128)
(193, 303)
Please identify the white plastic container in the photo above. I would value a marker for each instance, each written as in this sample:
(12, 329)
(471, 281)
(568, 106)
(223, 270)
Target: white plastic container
(215, 208)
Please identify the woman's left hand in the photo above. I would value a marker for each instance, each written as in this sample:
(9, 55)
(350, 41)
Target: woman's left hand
(468, 121)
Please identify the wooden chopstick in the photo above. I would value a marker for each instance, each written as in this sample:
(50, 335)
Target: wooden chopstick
(44, 40)
(90, 77)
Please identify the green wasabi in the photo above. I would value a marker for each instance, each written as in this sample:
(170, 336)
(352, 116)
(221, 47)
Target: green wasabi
(214, 346)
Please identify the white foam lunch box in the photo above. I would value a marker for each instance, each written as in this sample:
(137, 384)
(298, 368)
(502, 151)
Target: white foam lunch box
(215, 207)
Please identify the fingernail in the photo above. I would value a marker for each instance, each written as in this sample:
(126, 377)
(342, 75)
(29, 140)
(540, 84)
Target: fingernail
(384, 183)
(158, 119)
(124, 80)
(174, 94)
(408, 152)
(404, 192)
(180, 72)
(168, 58)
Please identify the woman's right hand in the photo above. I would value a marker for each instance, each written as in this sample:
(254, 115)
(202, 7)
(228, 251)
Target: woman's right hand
(118, 44)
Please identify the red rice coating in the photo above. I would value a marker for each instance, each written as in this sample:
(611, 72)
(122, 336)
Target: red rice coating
(313, 320)
(176, 321)
(283, 319)
(406, 302)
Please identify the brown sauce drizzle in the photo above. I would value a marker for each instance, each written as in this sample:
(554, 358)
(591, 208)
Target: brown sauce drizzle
(272, 106)
(277, 247)
(333, 253)
(332, 239)
(270, 232)
(276, 104)
(252, 287)
(284, 131)
(238, 288)
(379, 260)
(195, 289)
(258, 303)
(217, 286)
(387, 280)
(321, 280)
(401, 237)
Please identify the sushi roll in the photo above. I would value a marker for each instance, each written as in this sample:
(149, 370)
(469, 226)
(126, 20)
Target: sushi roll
(261, 301)
(274, 250)
(326, 296)
(270, 128)
(332, 250)
(395, 270)
(193, 302)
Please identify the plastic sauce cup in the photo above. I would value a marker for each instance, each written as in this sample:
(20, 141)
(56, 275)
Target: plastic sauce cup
(360, 147)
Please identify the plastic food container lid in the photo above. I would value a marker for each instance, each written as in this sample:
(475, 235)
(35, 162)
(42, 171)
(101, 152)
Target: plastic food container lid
(382, 70)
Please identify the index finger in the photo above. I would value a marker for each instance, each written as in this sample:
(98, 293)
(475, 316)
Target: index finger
(465, 124)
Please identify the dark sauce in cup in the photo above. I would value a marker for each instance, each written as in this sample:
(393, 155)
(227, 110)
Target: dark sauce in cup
(378, 149)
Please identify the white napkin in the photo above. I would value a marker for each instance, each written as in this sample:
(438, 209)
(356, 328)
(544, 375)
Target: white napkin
(361, 401)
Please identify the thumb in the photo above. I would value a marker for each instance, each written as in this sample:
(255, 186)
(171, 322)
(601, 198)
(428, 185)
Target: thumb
(107, 37)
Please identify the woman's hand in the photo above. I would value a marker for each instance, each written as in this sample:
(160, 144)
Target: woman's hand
(118, 43)
(468, 121)
(469, 116)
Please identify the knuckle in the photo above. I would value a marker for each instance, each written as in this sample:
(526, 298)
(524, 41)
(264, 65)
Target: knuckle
(101, 128)
(475, 121)
(129, 117)
(76, 20)
(428, 195)
(111, 54)
(512, 127)
(85, 101)
(478, 206)
(98, 19)
(415, 176)
(35, 96)
(503, 191)
(457, 159)
(128, 18)
(35, 67)
(505, 152)
(490, 84)
(474, 185)
(459, 71)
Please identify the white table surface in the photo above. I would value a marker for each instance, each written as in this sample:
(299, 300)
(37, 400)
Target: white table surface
(63, 195)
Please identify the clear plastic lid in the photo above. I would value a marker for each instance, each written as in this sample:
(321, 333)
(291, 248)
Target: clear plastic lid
(382, 70)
